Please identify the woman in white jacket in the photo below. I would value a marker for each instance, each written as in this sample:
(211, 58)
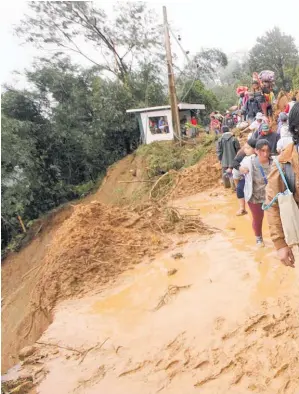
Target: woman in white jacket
(256, 168)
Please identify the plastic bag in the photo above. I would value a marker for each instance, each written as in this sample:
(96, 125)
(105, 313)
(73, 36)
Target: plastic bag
(241, 89)
(289, 215)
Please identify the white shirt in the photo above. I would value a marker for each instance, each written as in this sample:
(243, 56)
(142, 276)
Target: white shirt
(283, 143)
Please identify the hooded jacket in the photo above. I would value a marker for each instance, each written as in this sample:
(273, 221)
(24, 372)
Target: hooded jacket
(227, 148)
(289, 159)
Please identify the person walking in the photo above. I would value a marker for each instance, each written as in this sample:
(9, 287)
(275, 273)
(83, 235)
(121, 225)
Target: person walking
(256, 169)
(286, 137)
(255, 126)
(215, 125)
(290, 105)
(282, 121)
(289, 161)
(227, 148)
(251, 108)
(239, 179)
(267, 134)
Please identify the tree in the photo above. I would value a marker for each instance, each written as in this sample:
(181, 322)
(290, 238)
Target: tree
(274, 51)
(205, 65)
(65, 132)
(118, 42)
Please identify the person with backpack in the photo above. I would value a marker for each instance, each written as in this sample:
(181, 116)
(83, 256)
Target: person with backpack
(227, 147)
(228, 120)
(251, 108)
(289, 162)
(259, 96)
(256, 169)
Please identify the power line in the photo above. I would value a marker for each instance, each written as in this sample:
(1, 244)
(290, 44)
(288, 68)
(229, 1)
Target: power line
(189, 62)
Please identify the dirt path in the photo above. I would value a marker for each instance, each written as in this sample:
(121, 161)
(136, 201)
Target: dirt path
(226, 321)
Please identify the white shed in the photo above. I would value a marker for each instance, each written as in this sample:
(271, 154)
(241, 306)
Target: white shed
(155, 123)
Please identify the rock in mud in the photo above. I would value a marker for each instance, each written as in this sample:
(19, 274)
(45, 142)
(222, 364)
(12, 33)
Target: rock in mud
(172, 272)
(177, 256)
(26, 352)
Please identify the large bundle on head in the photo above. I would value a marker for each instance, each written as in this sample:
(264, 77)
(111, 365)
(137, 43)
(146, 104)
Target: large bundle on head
(241, 89)
(267, 76)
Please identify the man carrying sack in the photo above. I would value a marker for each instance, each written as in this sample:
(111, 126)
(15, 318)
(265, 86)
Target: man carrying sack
(282, 195)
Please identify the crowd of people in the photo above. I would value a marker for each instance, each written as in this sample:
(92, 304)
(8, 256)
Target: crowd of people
(264, 172)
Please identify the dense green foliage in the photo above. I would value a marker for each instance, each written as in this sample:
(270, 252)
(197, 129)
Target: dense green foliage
(275, 51)
(60, 135)
(162, 157)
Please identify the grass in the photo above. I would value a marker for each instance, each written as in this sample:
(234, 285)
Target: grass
(163, 156)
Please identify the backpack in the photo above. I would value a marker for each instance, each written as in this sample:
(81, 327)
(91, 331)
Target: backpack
(259, 97)
(230, 122)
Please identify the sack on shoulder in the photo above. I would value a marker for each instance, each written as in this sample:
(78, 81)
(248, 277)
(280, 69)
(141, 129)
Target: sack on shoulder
(289, 215)
(288, 211)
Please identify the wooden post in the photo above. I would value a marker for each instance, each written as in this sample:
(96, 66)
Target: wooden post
(171, 82)
(22, 224)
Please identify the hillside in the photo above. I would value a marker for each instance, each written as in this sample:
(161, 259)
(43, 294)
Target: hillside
(151, 284)
(85, 243)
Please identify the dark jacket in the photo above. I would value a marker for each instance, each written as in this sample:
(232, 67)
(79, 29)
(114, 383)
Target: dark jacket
(227, 148)
(228, 121)
(252, 108)
(272, 138)
(237, 160)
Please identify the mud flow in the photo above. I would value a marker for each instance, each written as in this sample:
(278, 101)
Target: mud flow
(212, 314)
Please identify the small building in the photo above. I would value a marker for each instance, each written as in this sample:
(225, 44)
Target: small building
(155, 123)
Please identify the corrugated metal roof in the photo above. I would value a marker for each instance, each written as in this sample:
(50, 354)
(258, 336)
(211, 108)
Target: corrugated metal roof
(163, 107)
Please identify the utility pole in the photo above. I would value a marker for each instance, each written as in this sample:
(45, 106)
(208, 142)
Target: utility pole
(171, 83)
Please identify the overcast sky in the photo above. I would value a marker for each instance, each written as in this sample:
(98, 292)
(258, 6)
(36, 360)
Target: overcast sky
(231, 25)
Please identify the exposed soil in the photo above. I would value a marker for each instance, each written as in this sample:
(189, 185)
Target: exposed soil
(18, 280)
(88, 245)
(210, 313)
(202, 176)
(226, 321)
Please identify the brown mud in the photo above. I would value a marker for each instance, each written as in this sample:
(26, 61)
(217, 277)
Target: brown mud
(225, 320)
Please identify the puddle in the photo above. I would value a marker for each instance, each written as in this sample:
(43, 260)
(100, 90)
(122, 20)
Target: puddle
(177, 333)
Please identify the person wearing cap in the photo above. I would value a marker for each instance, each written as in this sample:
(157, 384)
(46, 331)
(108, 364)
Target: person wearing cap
(251, 108)
(255, 126)
(271, 136)
(282, 120)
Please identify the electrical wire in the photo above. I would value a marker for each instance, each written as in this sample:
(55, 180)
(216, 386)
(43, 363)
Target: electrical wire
(189, 62)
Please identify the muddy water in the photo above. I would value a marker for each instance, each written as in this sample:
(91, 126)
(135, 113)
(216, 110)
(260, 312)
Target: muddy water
(227, 320)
